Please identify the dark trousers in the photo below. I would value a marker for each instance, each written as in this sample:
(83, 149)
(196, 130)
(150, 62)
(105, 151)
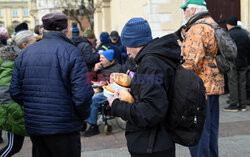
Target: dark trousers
(64, 145)
(15, 144)
(208, 144)
(167, 153)
(237, 86)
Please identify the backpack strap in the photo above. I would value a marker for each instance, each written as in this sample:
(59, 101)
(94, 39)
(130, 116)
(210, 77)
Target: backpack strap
(203, 22)
(195, 18)
(151, 140)
(214, 27)
(104, 47)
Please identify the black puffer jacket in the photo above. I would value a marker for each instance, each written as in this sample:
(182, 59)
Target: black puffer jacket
(243, 46)
(151, 83)
(86, 49)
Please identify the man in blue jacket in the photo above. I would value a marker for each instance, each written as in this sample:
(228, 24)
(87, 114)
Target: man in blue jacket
(49, 80)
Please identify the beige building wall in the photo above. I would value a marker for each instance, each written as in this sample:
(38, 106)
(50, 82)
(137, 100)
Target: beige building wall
(7, 19)
(245, 14)
(164, 16)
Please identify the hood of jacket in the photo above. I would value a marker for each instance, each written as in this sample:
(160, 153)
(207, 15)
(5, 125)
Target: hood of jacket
(165, 46)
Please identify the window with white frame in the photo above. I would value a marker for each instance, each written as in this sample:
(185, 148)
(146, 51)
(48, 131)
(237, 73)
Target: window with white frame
(14, 12)
(25, 12)
(0, 13)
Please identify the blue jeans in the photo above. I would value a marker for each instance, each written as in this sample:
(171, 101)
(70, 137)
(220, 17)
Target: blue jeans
(208, 144)
(97, 99)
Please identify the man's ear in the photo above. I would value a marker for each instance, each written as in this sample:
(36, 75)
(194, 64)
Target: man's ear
(24, 45)
(66, 31)
(193, 11)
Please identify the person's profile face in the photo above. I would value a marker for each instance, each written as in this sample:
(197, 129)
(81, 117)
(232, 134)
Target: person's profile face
(132, 51)
(104, 61)
(113, 40)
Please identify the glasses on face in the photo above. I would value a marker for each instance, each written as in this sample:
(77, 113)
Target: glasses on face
(184, 9)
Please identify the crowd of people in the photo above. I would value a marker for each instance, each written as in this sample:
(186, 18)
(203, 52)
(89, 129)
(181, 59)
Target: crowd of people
(46, 94)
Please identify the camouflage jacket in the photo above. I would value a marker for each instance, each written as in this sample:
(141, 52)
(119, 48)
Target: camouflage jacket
(199, 50)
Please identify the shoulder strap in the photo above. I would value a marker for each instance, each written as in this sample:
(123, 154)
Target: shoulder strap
(195, 18)
(105, 47)
(214, 27)
(203, 22)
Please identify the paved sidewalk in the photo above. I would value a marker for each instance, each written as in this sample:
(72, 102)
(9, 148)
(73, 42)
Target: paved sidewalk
(234, 139)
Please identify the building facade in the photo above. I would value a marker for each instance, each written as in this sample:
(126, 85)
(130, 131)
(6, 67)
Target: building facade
(164, 16)
(13, 12)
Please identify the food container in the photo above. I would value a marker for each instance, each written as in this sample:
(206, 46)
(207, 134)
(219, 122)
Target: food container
(117, 87)
(107, 93)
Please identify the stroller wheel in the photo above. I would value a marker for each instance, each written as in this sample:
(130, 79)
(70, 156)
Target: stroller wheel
(120, 123)
(108, 129)
(84, 126)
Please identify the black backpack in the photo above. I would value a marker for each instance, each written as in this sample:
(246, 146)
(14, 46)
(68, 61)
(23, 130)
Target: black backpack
(188, 108)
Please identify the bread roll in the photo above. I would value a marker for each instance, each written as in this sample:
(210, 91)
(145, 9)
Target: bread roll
(122, 80)
(126, 96)
(109, 88)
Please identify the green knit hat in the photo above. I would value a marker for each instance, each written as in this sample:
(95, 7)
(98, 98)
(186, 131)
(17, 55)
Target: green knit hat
(197, 2)
(88, 33)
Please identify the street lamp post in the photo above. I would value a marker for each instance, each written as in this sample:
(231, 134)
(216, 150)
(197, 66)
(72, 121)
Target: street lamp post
(81, 8)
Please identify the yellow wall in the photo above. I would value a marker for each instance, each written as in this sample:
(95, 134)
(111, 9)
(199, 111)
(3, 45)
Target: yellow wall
(245, 13)
(123, 10)
(164, 16)
(7, 17)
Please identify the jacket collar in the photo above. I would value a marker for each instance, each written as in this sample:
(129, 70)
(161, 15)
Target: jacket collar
(56, 35)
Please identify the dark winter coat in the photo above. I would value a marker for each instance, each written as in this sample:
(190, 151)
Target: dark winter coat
(108, 70)
(129, 65)
(86, 49)
(150, 87)
(243, 46)
(49, 80)
(122, 49)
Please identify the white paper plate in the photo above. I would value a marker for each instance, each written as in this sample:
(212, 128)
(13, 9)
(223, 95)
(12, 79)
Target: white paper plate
(107, 93)
(117, 87)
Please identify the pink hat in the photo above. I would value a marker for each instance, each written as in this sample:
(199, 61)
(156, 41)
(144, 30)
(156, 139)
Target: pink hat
(4, 32)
